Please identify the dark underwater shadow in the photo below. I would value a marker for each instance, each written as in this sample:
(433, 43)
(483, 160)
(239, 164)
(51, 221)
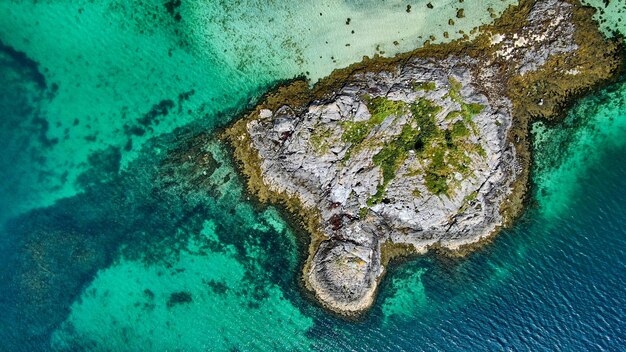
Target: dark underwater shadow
(147, 212)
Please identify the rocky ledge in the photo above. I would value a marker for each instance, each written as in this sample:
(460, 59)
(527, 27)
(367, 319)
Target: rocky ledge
(427, 149)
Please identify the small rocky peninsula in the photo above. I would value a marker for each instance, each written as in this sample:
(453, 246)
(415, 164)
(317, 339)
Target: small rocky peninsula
(426, 150)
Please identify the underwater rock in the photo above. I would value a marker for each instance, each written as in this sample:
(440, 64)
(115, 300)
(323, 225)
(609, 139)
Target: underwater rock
(427, 149)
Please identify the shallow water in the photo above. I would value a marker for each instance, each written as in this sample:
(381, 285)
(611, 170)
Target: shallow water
(108, 246)
(117, 73)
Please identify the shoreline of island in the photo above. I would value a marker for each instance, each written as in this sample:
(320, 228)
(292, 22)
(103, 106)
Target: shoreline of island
(524, 111)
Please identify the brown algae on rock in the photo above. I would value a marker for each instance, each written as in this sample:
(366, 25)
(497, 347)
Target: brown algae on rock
(428, 149)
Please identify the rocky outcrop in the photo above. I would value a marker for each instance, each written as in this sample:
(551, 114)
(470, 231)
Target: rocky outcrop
(425, 149)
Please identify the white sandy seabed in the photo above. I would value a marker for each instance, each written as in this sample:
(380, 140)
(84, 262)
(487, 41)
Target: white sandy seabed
(114, 60)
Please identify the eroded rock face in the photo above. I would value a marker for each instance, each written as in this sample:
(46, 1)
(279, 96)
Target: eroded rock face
(419, 153)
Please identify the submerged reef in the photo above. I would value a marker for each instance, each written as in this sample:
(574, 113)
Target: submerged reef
(429, 149)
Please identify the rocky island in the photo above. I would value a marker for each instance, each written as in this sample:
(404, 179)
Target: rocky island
(425, 150)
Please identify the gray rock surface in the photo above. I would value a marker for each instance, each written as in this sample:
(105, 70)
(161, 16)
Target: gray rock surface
(444, 187)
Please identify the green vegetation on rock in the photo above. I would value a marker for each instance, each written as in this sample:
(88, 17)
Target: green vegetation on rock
(415, 136)
(448, 150)
(468, 110)
(380, 108)
(320, 140)
(425, 86)
(459, 130)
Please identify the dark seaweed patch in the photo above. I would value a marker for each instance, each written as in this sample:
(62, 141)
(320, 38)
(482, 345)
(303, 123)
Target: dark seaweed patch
(91, 137)
(148, 212)
(134, 130)
(105, 165)
(171, 7)
(160, 109)
(148, 293)
(183, 97)
(218, 287)
(129, 145)
(177, 298)
(42, 126)
(24, 61)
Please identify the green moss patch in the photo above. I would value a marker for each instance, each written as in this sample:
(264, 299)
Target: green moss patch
(424, 86)
(415, 135)
(321, 140)
(380, 109)
(447, 150)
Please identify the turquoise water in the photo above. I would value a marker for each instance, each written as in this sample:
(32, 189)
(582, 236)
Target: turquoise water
(108, 66)
(111, 242)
